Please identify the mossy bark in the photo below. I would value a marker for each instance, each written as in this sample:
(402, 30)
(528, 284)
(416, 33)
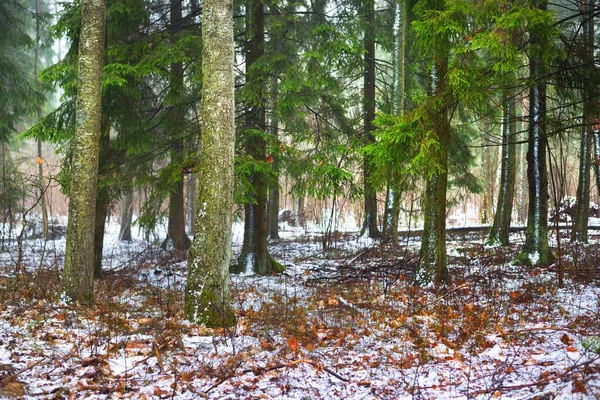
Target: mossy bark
(433, 265)
(79, 253)
(370, 226)
(207, 295)
(501, 227)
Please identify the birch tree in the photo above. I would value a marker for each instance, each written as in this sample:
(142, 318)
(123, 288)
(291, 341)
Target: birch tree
(207, 297)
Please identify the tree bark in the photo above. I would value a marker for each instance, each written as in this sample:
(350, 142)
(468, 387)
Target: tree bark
(176, 235)
(102, 195)
(433, 263)
(370, 222)
(126, 215)
(40, 156)
(582, 202)
(255, 257)
(207, 295)
(78, 271)
(392, 198)
(273, 206)
(501, 227)
(536, 250)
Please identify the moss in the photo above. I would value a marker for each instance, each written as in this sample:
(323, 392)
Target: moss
(215, 315)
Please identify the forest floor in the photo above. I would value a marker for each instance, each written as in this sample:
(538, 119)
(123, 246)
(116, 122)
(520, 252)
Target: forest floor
(341, 323)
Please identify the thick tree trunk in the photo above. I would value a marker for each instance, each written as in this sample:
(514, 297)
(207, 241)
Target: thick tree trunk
(370, 222)
(255, 257)
(433, 263)
(392, 198)
(78, 274)
(501, 228)
(176, 235)
(207, 295)
(126, 215)
(582, 203)
(536, 250)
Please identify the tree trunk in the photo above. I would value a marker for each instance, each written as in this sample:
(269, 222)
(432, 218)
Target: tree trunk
(536, 250)
(126, 215)
(392, 198)
(501, 228)
(40, 158)
(255, 257)
(370, 222)
(176, 235)
(78, 274)
(102, 195)
(582, 202)
(273, 206)
(207, 295)
(433, 263)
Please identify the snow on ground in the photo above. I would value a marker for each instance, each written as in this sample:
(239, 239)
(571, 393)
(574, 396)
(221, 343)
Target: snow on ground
(342, 322)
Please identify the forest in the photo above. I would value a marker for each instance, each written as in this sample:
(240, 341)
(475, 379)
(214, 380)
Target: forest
(325, 199)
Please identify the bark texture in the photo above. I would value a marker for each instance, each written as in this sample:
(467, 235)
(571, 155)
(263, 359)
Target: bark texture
(79, 254)
(433, 263)
(392, 198)
(536, 250)
(126, 215)
(370, 220)
(255, 257)
(582, 203)
(501, 227)
(207, 295)
(176, 235)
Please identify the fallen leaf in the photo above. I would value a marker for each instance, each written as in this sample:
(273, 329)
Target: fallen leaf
(571, 349)
(159, 392)
(566, 340)
(293, 343)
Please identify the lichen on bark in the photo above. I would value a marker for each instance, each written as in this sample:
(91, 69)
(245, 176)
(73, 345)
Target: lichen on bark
(79, 253)
(207, 297)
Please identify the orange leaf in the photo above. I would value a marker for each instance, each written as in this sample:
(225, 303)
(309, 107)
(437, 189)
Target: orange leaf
(497, 394)
(159, 392)
(270, 158)
(39, 160)
(571, 349)
(293, 343)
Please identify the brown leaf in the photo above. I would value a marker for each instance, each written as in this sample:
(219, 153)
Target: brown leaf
(159, 392)
(578, 385)
(566, 340)
(11, 388)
